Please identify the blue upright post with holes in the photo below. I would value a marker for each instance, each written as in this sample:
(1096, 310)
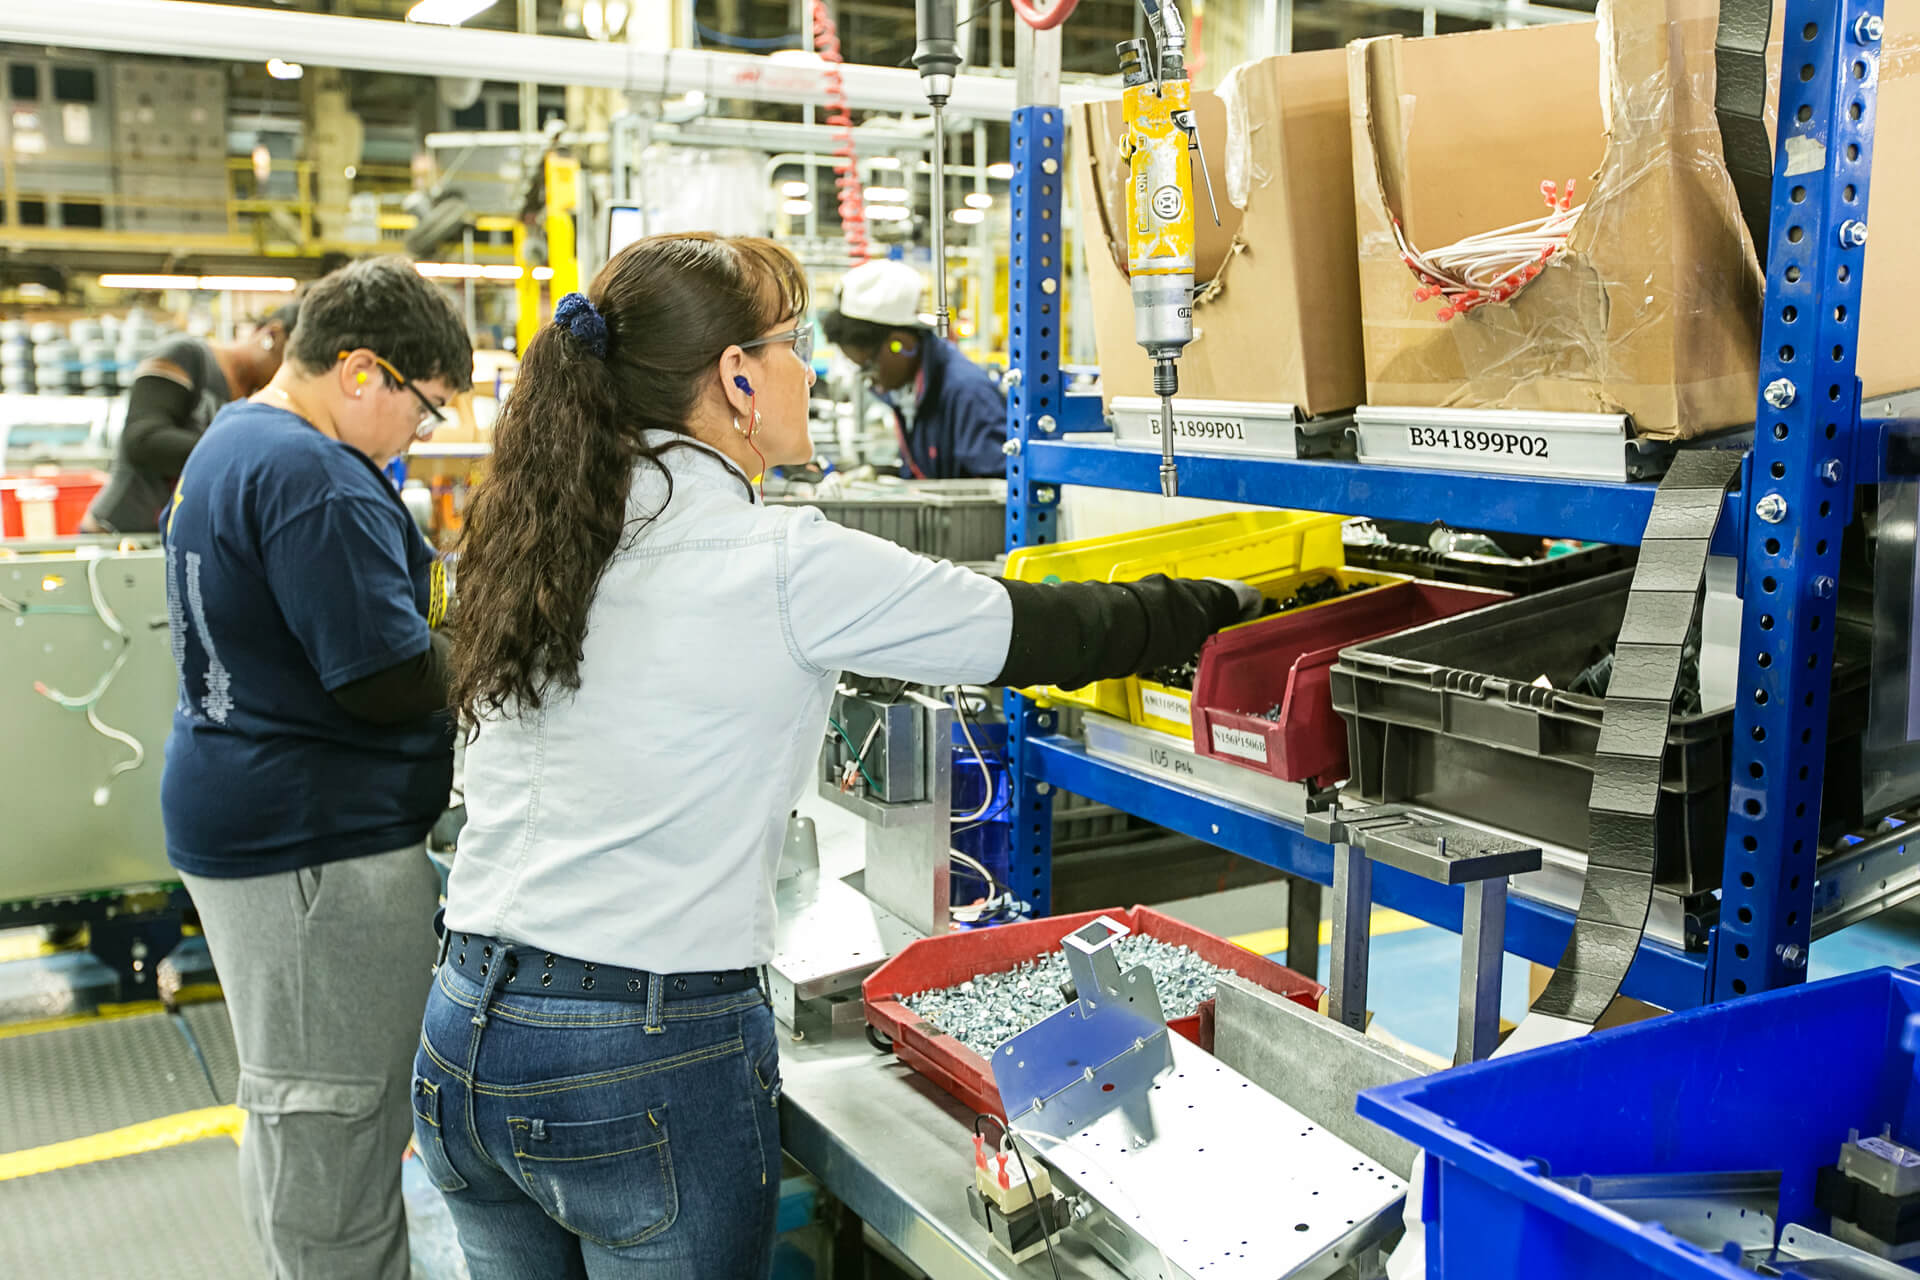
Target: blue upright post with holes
(1033, 410)
(1800, 492)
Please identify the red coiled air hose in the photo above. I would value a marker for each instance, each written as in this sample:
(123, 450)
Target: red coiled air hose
(1044, 19)
(853, 204)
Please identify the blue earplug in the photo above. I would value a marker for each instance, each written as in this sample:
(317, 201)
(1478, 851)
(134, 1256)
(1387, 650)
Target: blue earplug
(743, 384)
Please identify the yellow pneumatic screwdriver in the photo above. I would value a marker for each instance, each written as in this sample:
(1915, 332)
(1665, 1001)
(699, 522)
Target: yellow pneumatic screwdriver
(1160, 142)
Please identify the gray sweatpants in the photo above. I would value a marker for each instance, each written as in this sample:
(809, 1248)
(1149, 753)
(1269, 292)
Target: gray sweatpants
(326, 973)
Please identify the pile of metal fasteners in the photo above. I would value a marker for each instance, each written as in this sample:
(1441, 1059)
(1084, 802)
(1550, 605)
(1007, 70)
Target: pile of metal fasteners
(991, 1008)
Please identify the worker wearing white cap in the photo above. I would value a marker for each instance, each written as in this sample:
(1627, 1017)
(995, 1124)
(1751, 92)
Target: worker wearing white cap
(950, 418)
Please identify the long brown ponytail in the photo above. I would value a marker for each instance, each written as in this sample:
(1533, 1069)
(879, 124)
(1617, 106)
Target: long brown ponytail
(553, 510)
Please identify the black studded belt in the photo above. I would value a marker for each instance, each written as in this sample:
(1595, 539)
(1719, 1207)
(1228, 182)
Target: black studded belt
(531, 970)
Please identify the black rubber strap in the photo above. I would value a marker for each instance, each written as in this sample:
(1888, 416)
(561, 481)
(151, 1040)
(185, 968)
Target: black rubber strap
(1623, 819)
(1070, 634)
(1740, 103)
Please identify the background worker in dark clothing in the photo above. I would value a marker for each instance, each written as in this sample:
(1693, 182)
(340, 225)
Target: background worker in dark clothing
(175, 393)
(950, 419)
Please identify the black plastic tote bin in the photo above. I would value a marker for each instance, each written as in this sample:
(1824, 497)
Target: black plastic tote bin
(1446, 716)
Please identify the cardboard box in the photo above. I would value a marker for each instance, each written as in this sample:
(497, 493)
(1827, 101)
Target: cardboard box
(1277, 311)
(1655, 308)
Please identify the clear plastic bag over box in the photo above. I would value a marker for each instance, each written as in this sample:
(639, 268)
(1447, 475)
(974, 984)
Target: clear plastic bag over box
(1654, 307)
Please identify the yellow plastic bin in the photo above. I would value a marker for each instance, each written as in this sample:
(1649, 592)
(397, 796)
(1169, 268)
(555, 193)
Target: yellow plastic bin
(1170, 710)
(1236, 544)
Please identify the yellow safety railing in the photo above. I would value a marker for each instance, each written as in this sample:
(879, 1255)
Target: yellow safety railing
(261, 209)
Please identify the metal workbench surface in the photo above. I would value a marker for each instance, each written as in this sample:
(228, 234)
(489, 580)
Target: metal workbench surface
(883, 1140)
(896, 1151)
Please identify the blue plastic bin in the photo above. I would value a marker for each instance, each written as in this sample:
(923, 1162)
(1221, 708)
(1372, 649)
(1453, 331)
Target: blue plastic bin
(1773, 1081)
(989, 840)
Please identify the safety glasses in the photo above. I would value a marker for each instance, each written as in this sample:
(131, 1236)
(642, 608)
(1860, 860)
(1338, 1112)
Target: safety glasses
(801, 338)
(432, 415)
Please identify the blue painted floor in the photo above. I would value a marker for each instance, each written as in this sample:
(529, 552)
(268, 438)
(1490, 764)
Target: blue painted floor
(1890, 938)
(1414, 977)
(1413, 986)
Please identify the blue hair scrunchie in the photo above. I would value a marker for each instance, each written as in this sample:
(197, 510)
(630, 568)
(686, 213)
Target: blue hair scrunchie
(584, 321)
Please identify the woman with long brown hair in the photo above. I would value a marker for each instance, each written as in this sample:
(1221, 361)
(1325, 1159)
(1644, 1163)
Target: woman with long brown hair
(645, 660)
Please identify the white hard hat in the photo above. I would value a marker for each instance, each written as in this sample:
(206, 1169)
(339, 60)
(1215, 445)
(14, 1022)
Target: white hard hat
(886, 293)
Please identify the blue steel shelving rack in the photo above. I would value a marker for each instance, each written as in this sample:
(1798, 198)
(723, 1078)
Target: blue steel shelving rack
(1783, 522)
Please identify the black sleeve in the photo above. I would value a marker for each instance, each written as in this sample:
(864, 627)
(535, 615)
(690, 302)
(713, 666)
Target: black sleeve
(158, 437)
(1073, 633)
(402, 692)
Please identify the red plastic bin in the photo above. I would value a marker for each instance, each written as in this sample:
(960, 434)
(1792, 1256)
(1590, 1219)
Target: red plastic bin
(1284, 661)
(48, 506)
(946, 961)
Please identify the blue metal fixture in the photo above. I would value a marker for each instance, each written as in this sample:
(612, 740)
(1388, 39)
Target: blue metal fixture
(1784, 522)
(1548, 506)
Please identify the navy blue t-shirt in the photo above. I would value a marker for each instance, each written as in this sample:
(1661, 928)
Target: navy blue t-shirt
(293, 569)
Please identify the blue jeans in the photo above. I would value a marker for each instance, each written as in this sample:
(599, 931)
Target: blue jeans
(574, 1140)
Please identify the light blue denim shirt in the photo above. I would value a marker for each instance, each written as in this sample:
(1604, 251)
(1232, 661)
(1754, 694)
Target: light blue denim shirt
(639, 821)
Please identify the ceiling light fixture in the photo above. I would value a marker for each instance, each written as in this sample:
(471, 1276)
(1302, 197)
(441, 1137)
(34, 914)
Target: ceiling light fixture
(1002, 171)
(968, 216)
(498, 272)
(248, 284)
(216, 284)
(979, 200)
(447, 13)
(281, 69)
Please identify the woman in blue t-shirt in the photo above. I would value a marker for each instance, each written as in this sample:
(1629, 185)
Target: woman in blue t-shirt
(311, 752)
